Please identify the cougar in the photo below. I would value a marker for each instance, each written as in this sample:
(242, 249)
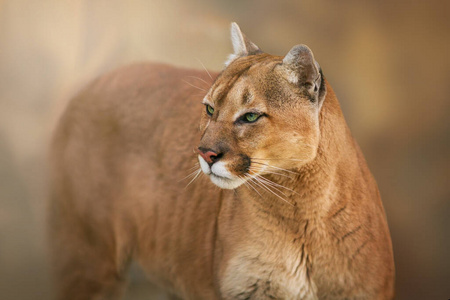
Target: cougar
(243, 184)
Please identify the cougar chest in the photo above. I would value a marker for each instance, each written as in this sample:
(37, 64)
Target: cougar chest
(273, 269)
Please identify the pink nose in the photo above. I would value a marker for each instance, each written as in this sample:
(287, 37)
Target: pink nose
(208, 156)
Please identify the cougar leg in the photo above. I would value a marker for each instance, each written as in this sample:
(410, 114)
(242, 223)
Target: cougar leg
(85, 261)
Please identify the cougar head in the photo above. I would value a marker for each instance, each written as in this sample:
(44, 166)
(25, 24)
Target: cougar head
(261, 114)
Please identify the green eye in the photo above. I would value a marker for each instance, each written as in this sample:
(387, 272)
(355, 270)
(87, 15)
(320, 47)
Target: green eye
(251, 117)
(209, 110)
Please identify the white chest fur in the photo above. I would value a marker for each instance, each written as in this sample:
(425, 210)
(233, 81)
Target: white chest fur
(270, 273)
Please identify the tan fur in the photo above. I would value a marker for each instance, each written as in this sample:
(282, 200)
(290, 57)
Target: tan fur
(126, 141)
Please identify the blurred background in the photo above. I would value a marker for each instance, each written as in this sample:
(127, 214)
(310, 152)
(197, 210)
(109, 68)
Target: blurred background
(388, 61)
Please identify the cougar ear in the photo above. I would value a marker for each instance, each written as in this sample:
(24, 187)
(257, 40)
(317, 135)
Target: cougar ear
(302, 69)
(242, 46)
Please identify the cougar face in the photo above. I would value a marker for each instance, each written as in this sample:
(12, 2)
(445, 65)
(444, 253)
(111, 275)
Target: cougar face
(258, 118)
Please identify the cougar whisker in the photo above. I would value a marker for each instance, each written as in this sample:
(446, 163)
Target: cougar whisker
(195, 77)
(278, 168)
(195, 177)
(255, 168)
(263, 186)
(194, 86)
(268, 181)
(260, 179)
(290, 159)
(209, 74)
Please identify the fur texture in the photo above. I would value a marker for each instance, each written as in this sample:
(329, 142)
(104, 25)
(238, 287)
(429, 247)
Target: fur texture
(125, 142)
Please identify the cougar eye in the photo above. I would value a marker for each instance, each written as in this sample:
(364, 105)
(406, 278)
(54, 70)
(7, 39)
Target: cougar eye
(209, 109)
(251, 117)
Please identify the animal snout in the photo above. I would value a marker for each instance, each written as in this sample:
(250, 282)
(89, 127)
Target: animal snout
(209, 155)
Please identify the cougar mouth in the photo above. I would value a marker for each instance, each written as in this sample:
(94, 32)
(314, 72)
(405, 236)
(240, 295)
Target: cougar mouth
(219, 174)
(226, 183)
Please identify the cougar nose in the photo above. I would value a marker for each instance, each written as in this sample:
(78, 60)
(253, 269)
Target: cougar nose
(208, 155)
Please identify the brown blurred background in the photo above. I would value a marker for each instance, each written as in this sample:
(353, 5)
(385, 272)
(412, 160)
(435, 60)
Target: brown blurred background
(388, 62)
